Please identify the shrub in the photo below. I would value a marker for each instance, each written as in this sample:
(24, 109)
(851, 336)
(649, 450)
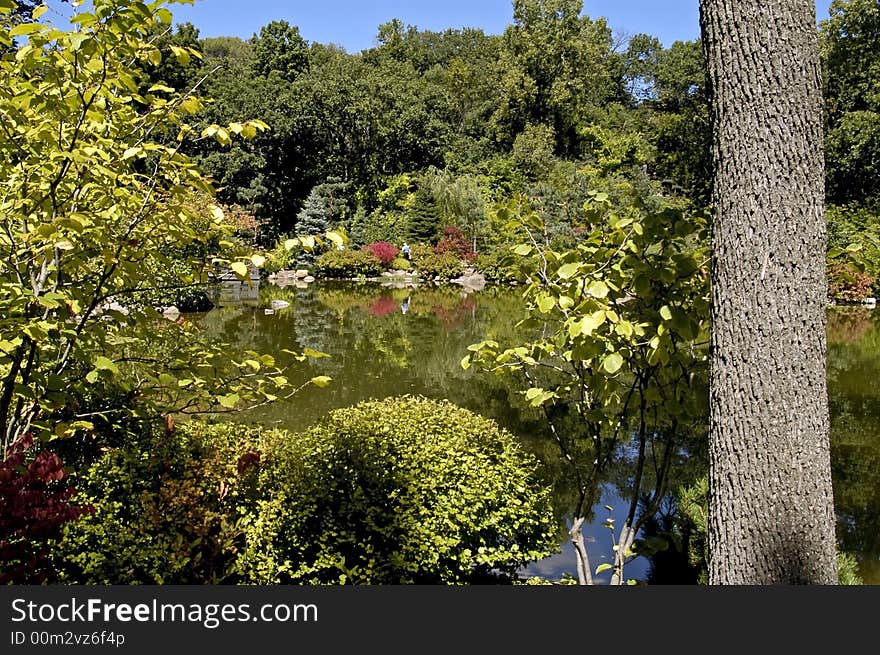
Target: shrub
(401, 264)
(847, 284)
(446, 266)
(167, 510)
(169, 289)
(500, 266)
(406, 490)
(455, 241)
(347, 264)
(34, 506)
(383, 251)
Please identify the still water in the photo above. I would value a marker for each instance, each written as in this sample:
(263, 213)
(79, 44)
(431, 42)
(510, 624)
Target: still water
(385, 341)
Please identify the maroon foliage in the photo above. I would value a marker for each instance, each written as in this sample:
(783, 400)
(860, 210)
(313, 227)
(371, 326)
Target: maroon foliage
(455, 241)
(33, 508)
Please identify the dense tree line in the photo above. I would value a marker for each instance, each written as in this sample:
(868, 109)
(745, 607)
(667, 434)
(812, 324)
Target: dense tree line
(463, 118)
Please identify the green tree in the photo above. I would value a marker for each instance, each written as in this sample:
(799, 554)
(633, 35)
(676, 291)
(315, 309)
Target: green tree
(568, 59)
(850, 42)
(423, 223)
(280, 49)
(93, 205)
(619, 317)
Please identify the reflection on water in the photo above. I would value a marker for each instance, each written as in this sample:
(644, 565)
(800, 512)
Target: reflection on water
(854, 402)
(392, 341)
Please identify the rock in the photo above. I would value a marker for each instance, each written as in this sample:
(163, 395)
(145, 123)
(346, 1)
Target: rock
(301, 273)
(301, 285)
(870, 302)
(269, 312)
(279, 304)
(114, 306)
(472, 282)
(308, 278)
(171, 311)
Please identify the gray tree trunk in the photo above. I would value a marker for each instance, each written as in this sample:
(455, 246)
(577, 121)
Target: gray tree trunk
(771, 505)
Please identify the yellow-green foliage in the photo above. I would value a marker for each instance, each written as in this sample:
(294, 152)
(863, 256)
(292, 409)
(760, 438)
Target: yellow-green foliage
(167, 509)
(346, 264)
(404, 490)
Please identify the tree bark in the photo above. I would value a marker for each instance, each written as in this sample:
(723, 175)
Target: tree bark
(771, 503)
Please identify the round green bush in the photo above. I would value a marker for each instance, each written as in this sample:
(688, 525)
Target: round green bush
(500, 266)
(404, 490)
(400, 264)
(446, 266)
(347, 264)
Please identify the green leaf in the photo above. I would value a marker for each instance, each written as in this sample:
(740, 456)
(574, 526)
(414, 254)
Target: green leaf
(229, 401)
(258, 260)
(613, 363)
(239, 268)
(39, 11)
(321, 381)
(666, 313)
(523, 250)
(598, 289)
(104, 364)
(167, 380)
(24, 29)
(546, 303)
(603, 567)
(568, 270)
(533, 393)
(466, 362)
(337, 239)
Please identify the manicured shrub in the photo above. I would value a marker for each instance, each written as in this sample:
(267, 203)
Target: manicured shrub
(401, 264)
(405, 490)
(446, 266)
(383, 251)
(347, 264)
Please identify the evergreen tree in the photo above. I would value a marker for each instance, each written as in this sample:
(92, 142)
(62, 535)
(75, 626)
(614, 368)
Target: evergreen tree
(311, 221)
(423, 217)
(334, 195)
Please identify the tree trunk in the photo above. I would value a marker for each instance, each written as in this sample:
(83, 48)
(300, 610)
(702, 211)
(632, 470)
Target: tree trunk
(771, 505)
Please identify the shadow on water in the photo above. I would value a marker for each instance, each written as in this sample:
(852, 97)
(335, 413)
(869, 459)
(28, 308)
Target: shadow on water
(386, 341)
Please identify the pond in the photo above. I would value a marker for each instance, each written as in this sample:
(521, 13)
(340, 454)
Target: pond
(394, 340)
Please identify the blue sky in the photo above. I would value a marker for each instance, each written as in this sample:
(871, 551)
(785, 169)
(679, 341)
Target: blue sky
(353, 23)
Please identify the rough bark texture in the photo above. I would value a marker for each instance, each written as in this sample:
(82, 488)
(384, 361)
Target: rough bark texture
(771, 503)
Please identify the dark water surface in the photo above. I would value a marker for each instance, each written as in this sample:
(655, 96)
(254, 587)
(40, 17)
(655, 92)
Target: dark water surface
(386, 341)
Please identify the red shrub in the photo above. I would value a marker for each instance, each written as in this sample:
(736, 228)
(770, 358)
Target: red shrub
(383, 251)
(455, 241)
(847, 284)
(33, 508)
